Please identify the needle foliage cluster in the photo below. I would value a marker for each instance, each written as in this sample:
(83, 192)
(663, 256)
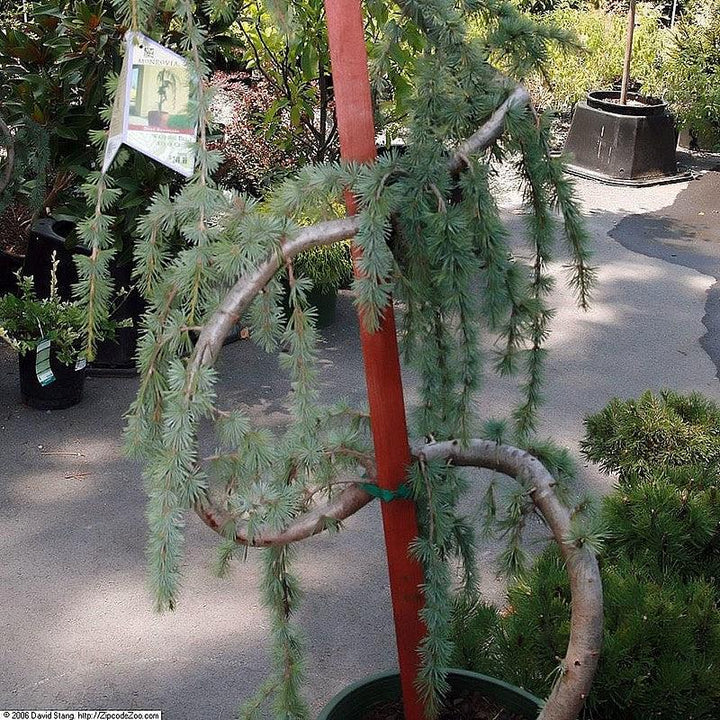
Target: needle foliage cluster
(659, 567)
(430, 235)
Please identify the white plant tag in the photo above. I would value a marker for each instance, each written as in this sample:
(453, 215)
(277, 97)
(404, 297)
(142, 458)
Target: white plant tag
(151, 109)
(43, 371)
(80, 364)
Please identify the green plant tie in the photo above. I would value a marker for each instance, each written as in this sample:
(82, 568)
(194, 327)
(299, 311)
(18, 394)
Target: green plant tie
(404, 492)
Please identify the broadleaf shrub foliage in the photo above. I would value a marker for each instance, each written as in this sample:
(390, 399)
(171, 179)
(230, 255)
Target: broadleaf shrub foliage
(680, 64)
(570, 72)
(691, 75)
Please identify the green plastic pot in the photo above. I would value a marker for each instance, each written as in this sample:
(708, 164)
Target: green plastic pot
(324, 302)
(355, 701)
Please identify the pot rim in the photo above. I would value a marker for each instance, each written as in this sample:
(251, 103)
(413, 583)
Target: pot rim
(388, 674)
(599, 99)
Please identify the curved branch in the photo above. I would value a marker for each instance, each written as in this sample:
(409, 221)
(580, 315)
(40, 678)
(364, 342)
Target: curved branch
(490, 131)
(9, 158)
(586, 622)
(325, 233)
(248, 287)
(310, 523)
(568, 696)
(347, 503)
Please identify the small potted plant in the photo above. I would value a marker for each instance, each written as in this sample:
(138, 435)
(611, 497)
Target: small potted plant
(47, 335)
(167, 84)
(329, 268)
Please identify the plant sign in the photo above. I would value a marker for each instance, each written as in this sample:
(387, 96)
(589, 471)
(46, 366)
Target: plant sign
(43, 371)
(150, 113)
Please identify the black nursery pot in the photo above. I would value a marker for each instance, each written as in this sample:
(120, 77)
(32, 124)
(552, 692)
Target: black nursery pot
(64, 392)
(356, 701)
(49, 236)
(115, 356)
(324, 302)
(9, 265)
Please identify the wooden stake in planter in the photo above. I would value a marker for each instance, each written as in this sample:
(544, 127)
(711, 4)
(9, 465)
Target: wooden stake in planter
(356, 128)
(628, 53)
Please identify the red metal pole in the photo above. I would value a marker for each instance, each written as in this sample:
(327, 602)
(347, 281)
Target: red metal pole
(356, 128)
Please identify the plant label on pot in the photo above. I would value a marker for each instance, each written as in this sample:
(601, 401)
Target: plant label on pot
(43, 371)
(151, 110)
(80, 364)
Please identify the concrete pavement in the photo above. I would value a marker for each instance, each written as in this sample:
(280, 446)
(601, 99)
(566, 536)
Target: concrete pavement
(77, 628)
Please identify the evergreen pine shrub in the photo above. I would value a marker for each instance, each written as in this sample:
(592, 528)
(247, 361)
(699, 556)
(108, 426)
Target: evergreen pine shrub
(665, 527)
(636, 438)
(659, 567)
(661, 642)
(521, 645)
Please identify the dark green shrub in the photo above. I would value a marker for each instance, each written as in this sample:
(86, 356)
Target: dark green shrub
(53, 68)
(666, 451)
(659, 566)
(661, 647)
(661, 643)
(664, 527)
(477, 630)
(636, 438)
(524, 644)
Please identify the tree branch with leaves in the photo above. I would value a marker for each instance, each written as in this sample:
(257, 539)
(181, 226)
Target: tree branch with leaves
(432, 236)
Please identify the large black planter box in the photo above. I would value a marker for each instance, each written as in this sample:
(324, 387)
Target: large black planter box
(622, 143)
